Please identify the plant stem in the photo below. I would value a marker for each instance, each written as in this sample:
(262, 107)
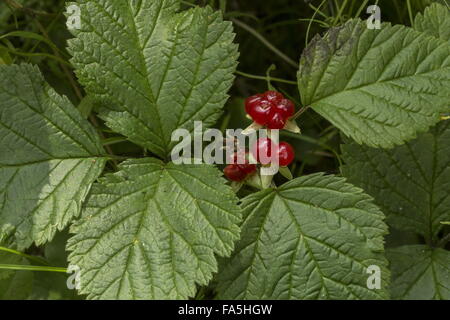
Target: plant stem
(313, 141)
(251, 76)
(13, 4)
(340, 11)
(265, 42)
(32, 268)
(300, 112)
(444, 241)
(411, 19)
(27, 256)
(361, 8)
(113, 140)
(317, 10)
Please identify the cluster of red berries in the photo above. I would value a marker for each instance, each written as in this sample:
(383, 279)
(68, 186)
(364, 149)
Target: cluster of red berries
(238, 172)
(270, 109)
(264, 151)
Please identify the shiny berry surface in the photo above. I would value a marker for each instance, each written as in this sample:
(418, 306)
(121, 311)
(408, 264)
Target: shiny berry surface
(273, 96)
(265, 151)
(252, 102)
(260, 112)
(234, 172)
(285, 154)
(262, 150)
(270, 109)
(286, 108)
(248, 168)
(275, 121)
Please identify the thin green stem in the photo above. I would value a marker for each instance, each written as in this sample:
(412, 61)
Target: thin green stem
(443, 242)
(313, 141)
(113, 140)
(32, 268)
(251, 76)
(264, 41)
(46, 55)
(361, 8)
(322, 23)
(340, 12)
(312, 19)
(27, 256)
(318, 11)
(411, 19)
(300, 112)
(188, 3)
(15, 5)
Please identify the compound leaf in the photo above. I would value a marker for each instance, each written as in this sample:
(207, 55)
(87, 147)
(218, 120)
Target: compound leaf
(410, 183)
(435, 21)
(419, 273)
(312, 238)
(154, 69)
(151, 231)
(49, 157)
(380, 87)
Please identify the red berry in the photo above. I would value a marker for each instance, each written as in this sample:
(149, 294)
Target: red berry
(270, 109)
(248, 168)
(239, 157)
(260, 112)
(252, 102)
(264, 147)
(262, 150)
(285, 154)
(273, 96)
(234, 172)
(275, 120)
(286, 108)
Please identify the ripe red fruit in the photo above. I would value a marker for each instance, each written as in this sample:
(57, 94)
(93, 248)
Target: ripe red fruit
(285, 154)
(265, 147)
(273, 96)
(262, 150)
(259, 111)
(248, 168)
(286, 108)
(275, 120)
(252, 102)
(238, 172)
(270, 109)
(234, 172)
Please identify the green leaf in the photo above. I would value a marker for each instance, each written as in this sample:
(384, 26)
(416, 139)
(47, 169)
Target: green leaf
(14, 285)
(419, 273)
(151, 231)
(410, 183)
(49, 157)
(85, 107)
(154, 69)
(380, 87)
(435, 21)
(312, 238)
(52, 286)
